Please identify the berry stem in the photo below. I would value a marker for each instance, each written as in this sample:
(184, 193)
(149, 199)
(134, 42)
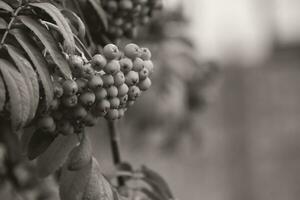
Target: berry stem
(115, 147)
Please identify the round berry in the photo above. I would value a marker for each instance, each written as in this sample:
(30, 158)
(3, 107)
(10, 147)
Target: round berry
(131, 78)
(145, 84)
(138, 64)
(54, 104)
(122, 90)
(65, 127)
(119, 78)
(110, 51)
(58, 90)
(145, 54)
(132, 51)
(102, 107)
(90, 120)
(126, 5)
(70, 101)
(134, 92)
(76, 62)
(79, 112)
(118, 22)
(112, 91)
(143, 74)
(112, 114)
(95, 82)
(87, 71)
(81, 84)
(123, 99)
(87, 98)
(98, 62)
(112, 67)
(126, 65)
(114, 102)
(121, 113)
(112, 6)
(145, 20)
(69, 87)
(108, 80)
(100, 94)
(46, 124)
(149, 65)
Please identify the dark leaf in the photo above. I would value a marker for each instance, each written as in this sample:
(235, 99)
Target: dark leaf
(3, 24)
(13, 3)
(5, 6)
(101, 13)
(76, 22)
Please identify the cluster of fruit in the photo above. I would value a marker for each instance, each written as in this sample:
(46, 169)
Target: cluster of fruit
(105, 86)
(125, 15)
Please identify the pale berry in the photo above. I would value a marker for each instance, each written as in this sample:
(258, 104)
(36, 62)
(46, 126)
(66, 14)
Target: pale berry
(131, 78)
(58, 90)
(87, 98)
(102, 107)
(108, 80)
(134, 92)
(123, 99)
(100, 94)
(126, 65)
(149, 65)
(119, 78)
(121, 113)
(95, 82)
(145, 84)
(126, 5)
(145, 54)
(69, 87)
(138, 64)
(76, 62)
(112, 67)
(110, 51)
(87, 71)
(112, 114)
(122, 90)
(112, 91)
(112, 6)
(70, 101)
(81, 84)
(114, 102)
(143, 74)
(98, 62)
(132, 51)
(54, 104)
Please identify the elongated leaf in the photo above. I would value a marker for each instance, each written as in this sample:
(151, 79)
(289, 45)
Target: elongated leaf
(39, 143)
(18, 101)
(49, 42)
(13, 3)
(73, 183)
(2, 94)
(30, 77)
(152, 195)
(101, 13)
(97, 187)
(61, 22)
(3, 24)
(5, 6)
(76, 22)
(57, 153)
(158, 184)
(39, 63)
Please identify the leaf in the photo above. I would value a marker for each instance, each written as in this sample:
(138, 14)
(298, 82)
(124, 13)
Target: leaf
(72, 184)
(57, 153)
(30, 77)
(2, 94)
(3, 24)
(39, 63)
(101, 13)
(152, 195)
(5, 6)
(97, 187)
(13, 3)
(81, 155)
(49, 42)
(76, 21)
(158, 184)
(16, 92)
(61, 22)
(39, 142)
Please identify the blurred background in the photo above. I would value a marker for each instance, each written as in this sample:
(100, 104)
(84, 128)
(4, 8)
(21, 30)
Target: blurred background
(221, 121)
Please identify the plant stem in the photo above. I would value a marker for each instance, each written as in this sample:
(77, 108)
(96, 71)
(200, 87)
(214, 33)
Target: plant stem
(115, 147)
(15, 14)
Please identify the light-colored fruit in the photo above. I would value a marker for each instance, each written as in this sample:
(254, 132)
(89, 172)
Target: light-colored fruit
(132, 51)
(102, 107)
(108, 80)
(112, 114)
(134, 92)
(46, 124)
(87, 71)
(98, 62)
(110, 51)
(122, 90)
(114, 102)
(145, 84)
(58, 90)
(78, 113)
(149, 65)
(145, 53)
(126, 65)
(100, 94)
(112, 91)
(121, 113)
(70, 101)
(131, 78)
(126, 5)
(87, 98)
(54, 104)
(143, 74)
(81, 84)
(119, 78)
(95, 82)
(76, 62)
(138, 64)
(123, 99)
(112, 67)
(69, 87)
(112, 6)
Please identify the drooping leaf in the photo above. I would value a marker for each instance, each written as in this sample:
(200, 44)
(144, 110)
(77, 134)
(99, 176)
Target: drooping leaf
(81, 155)
(152, 195)
(39, 63)
(30, 77)
(5, 6)
(16, 90)
(57, 153)
(76, 22)
(49, 42)
(98, 187)
(2, 94)
(13, 3)
(101, 13)
(3, 24)
(61, 22)
(157, 183)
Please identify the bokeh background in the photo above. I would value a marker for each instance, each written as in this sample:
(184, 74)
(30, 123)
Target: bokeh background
(221, 121)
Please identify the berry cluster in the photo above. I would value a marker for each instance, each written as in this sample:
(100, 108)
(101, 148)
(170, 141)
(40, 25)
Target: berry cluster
(105, 86)
(125, 15)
